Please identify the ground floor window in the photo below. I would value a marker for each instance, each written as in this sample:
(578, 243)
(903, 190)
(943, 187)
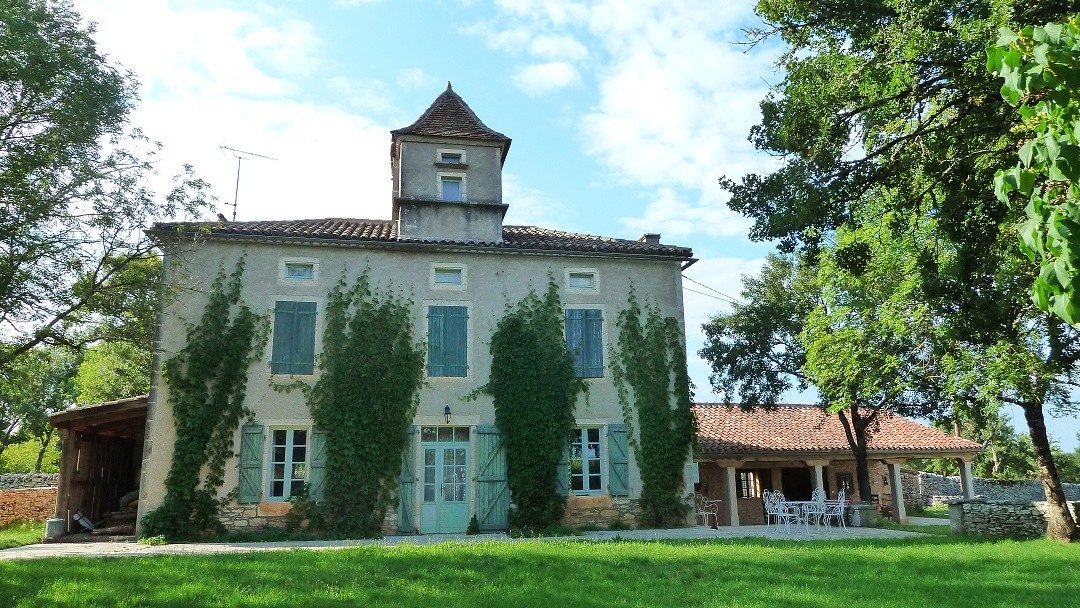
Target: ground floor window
(846, 482)
(749, 484)
(288, 462)
(585, 476)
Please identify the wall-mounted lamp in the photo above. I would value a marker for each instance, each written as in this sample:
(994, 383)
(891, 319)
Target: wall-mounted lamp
(446, 414)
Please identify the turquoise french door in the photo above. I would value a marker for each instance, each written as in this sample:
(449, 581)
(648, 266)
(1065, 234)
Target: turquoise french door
(444, 493)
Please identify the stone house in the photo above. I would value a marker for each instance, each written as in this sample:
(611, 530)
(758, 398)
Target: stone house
(798, 448)
(445, 246)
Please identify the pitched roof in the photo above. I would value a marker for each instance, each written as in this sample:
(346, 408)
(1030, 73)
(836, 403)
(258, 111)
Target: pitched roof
(791, 429)
(530, 238)
(450, 116)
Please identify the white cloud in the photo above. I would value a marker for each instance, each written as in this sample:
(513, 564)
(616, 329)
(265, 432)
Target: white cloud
(558, 47)
(670, 215)
(558, 12)
(355, 2)
(544, 78)
(530, 206)
(414, 78)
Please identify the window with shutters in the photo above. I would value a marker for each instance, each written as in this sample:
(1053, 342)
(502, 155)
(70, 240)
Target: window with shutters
(448, 339)
(585, 466)
(288, 462)
(294, 338)
(585, 340)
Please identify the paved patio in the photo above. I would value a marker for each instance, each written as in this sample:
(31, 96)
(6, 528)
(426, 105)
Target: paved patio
(695, 533)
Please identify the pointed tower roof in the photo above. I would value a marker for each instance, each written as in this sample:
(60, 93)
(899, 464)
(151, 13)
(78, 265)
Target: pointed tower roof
(450, 116)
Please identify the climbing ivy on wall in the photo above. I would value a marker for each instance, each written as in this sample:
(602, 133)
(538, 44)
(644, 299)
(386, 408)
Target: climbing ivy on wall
(649, 371)
(370, 374)
(534, 391)
(207, 381)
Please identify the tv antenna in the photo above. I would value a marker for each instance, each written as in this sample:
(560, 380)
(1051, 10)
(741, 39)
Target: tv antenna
(241, 155)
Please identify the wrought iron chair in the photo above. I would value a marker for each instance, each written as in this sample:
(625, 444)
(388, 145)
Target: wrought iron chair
(815, 508)
(776, 512)
(705, 509)
(835, 510)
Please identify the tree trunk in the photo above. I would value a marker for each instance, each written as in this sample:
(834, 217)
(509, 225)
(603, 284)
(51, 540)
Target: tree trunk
(1061, 526)
(44, 447)
(855, 430)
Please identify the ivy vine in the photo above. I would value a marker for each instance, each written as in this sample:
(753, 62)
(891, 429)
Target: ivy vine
(649, 371)
(207, 382)
(534, 390)
(371, 371)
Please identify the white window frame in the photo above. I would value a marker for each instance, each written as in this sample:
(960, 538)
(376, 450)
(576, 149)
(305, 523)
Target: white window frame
(284, 278)
(577, 271)
(462, 268)
(440, 151)
(602, 459)
(440, 175)
(269, 460)
(470, 342)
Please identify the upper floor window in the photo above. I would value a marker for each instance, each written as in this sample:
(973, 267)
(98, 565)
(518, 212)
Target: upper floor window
(448, 339)
(294, 338)
(581, 279)
(585, 340)
(450, 157)
(448, 276)
(585, 467)
(299, 270)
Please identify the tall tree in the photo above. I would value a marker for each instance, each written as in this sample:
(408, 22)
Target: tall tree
(73, 179)
(893, 96)
(38, 384)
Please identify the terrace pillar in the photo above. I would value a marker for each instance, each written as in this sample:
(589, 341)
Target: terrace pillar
(816, 477)
(967, 480)
(777, 479)
(896, 483)
(731, 496)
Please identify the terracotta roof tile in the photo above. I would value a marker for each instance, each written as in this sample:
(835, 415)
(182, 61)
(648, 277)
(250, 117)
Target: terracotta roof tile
(730, 430)
(359, 230)
(450, 116)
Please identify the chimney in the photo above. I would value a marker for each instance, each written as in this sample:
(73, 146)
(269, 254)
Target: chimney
(650, 238)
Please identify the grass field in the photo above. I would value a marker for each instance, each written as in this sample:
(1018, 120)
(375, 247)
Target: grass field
(938, 572)
(21, 532)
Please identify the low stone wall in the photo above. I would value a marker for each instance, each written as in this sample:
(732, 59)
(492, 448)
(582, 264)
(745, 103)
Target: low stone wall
(271, 515)
(1001, 518)
(602, 510)
(27, 503)
(929, 489)
(20, 481)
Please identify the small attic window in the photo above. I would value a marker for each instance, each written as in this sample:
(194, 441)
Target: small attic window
(581, 280)
(446, 158)
(302, 271)
(452, 158)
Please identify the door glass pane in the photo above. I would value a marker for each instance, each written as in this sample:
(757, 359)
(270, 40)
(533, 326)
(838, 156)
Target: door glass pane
(279, 471)
(594, 435)
(429, 493)
(279, 454)
(278, 489)
(594, 467)
(279, 437)
(299, 453)
(298, 471)
(460, 455)
(427, 433)
(429, 457)
(576, 483)
(299, 437)
(594, 482)
(461, 433)
(446, 433)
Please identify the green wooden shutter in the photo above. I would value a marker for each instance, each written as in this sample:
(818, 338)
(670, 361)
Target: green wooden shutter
(407, 486)
(492, 489)
(562, 472)
(317, 472)
(575, 326)
(593, 340)
(284, 327)
(457, 341)
(303, 350)
(251, 456)
(436, 350)
(618, 461)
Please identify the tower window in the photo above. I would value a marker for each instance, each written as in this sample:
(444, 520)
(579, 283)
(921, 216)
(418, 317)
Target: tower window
(450, 188)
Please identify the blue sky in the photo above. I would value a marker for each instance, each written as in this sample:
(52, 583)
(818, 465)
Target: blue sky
(623, 114)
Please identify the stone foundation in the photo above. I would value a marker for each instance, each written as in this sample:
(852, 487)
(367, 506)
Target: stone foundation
(1001, 519)
(271, 515)
(29, 503)
(602, 511)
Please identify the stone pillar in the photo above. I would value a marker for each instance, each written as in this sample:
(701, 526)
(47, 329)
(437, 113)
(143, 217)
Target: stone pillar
(819, 483)
(777, 479)
(967, 481)
(731, 496)
(896, 483)
(816, 478)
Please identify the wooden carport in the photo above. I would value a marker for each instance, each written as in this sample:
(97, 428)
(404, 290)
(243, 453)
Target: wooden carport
(100, 458)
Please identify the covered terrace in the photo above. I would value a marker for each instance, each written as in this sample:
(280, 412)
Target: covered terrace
(798, 448)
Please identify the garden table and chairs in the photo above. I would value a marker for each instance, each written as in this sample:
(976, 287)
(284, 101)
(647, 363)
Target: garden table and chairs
(823, 512)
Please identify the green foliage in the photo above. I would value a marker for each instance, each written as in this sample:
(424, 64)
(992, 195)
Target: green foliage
(207, 382)
(153, 541)
(369, 383)
(304, 513)
(113, 370)
(21, 532)
(474, 526)
(39, 382)
(23, 457)
(1041, 69)
(534, 390)
(649, 371)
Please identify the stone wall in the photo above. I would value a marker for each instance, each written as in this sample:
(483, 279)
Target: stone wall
(20, 481)
(1001, 518)
(27, 503)
(271, 515)
(931, 489)
(602, 511)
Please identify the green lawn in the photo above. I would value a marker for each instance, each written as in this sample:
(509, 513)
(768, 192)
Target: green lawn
(21, 533)
(937, 572)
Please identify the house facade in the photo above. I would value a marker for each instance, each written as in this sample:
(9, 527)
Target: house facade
(445, 248)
